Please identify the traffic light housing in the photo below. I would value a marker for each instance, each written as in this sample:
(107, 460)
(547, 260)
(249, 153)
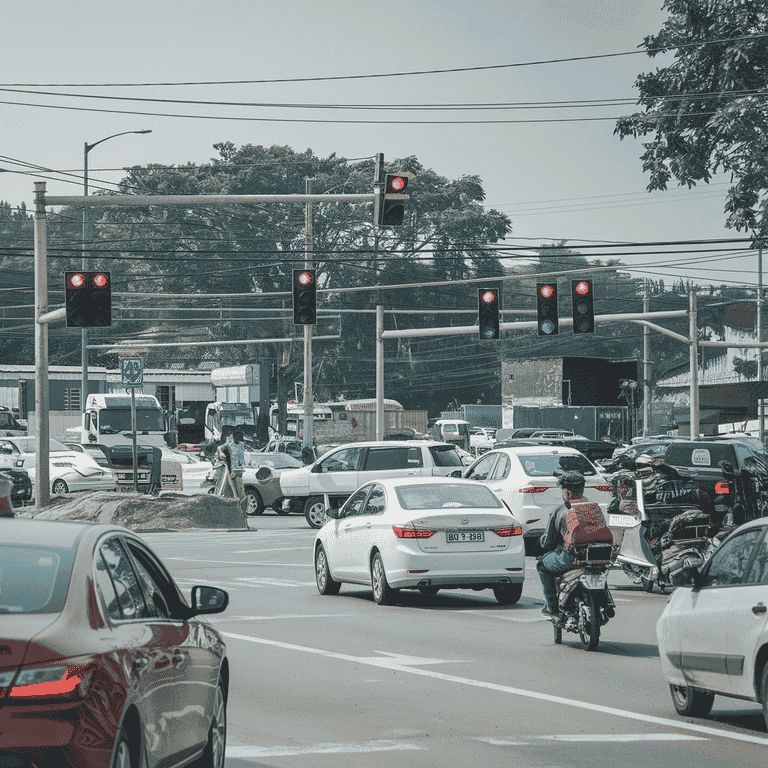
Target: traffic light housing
(583, 305)
(488, 313)
(304, 297)
(88, 299)
(546, 309)
(391, 204)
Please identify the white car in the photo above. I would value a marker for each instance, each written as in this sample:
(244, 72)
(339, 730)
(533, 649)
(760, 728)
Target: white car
(481, 439)
(713, 635)
(524, 477)
(194, 470)
(424, 533)
(69, 470)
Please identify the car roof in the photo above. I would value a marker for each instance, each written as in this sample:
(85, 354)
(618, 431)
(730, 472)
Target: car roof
(534, 449)
(393, 444)
(53, 533)
(392, 482)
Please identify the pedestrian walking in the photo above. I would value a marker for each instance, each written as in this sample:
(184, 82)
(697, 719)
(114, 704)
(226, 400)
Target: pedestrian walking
(234, 456)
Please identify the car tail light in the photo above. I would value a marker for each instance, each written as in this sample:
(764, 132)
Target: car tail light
(722, 488)
(412, 533)
(57, 682)
(533, 489)
(606, 488)
(514, 530)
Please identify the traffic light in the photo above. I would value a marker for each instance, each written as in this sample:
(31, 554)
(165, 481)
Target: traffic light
(304, 297)
(583, 303)
(88, 299)
(391, 210)
(488, 313)
(546, 309)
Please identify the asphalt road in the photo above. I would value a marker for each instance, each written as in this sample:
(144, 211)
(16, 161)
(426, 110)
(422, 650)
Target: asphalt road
(453, 680)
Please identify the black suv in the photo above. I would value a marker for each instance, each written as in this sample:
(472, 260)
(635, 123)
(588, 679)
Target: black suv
(729, 469)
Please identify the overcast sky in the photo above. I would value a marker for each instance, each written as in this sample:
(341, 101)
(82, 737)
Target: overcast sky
(556, 174)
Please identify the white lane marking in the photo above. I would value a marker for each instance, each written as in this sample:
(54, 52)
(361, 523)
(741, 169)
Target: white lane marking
(649, 719)
(500, 742)
(379, 745)
(238, 562)
(221, 619)
(272, 549)
(626, 737)
(274, 582)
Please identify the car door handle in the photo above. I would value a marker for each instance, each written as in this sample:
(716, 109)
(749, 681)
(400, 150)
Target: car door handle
(367, 525)
(347, 526)
(758, 609)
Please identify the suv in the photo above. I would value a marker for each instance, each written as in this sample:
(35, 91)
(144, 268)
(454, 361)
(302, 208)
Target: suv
(330, 480)
(704, 461)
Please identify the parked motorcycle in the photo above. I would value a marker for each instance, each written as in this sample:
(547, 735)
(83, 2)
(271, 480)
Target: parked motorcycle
(584, 600)
(663, 531)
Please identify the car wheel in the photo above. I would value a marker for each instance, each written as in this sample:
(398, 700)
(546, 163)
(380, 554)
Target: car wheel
(314, 511)
(690, 702)
(122, 756)
(325, 584)
(213, 754)
(429, 591)
(764, 693)
(59, 486)
(253, 503)
(508, 594)
(383, 594)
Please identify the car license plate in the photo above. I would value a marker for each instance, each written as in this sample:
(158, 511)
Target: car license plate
(622, 521)
(453, 537)
(593, 580)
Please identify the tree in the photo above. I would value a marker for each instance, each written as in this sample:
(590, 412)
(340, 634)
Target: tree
(707, 109)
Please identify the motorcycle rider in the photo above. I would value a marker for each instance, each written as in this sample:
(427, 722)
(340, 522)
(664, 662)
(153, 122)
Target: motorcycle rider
(557, 559)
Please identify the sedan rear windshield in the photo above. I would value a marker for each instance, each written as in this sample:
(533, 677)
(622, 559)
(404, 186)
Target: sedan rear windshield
(546, 464)
(693, 455)
(446, 496)
(34, 579)
(445, 456)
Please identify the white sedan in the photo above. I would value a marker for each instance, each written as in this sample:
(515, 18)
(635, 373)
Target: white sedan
(713, 635)
(525, 478)
(421, 533)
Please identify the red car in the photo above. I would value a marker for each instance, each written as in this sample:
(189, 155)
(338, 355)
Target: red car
(103, 662)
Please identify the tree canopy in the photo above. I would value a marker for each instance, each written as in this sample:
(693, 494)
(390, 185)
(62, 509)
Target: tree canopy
(706, 111)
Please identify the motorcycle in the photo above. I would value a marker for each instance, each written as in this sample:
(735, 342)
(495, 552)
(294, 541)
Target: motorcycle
(663, 532)
(584, 600)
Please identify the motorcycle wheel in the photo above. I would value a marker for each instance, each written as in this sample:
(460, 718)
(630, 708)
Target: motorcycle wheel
(648, 585)
(558, 633)
(589, 622)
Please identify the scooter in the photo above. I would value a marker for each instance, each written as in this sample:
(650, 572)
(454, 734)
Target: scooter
(661, 540)
(584, 600)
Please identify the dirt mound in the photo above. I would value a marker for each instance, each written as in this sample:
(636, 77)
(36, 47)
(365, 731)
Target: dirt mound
(140, 512)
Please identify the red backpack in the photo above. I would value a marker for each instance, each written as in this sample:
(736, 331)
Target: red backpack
(584, 524)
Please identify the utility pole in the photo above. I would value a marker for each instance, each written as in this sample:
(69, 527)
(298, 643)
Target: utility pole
(646, 363)
(309, 404)
(761, 401)
(694, 364)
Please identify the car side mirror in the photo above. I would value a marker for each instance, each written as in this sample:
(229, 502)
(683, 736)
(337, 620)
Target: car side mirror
(690, 577)
(333, 513)
(455, 473)
(316, 468)
(208, 600)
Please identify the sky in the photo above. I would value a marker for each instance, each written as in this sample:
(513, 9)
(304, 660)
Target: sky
(555, 174)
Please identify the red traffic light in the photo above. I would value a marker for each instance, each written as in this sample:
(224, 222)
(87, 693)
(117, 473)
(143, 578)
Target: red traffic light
(397, 183)
(304, 278)
(546, 291)
(582, 287)
(100, 280)
(77, 280)
(488, 297)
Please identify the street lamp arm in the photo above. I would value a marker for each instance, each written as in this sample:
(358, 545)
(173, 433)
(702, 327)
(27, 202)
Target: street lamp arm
(89, 147)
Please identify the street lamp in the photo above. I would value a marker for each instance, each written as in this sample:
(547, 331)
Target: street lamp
(84, 331)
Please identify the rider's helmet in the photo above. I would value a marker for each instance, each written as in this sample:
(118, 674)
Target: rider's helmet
(572, 480)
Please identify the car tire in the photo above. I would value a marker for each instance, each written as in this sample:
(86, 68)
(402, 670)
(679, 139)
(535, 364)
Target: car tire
(213, 754)
(691, 702)
(59, 486)
(253, 501)
(123, 754)
(508, 594)
(314, 512)
(326, 585)
(383, 594)
(764, 694)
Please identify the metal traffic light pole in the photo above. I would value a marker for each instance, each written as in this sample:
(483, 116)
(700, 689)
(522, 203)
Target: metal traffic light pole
(309, 399)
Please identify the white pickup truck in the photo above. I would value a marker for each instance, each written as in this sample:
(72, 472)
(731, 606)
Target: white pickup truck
(329, 481)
